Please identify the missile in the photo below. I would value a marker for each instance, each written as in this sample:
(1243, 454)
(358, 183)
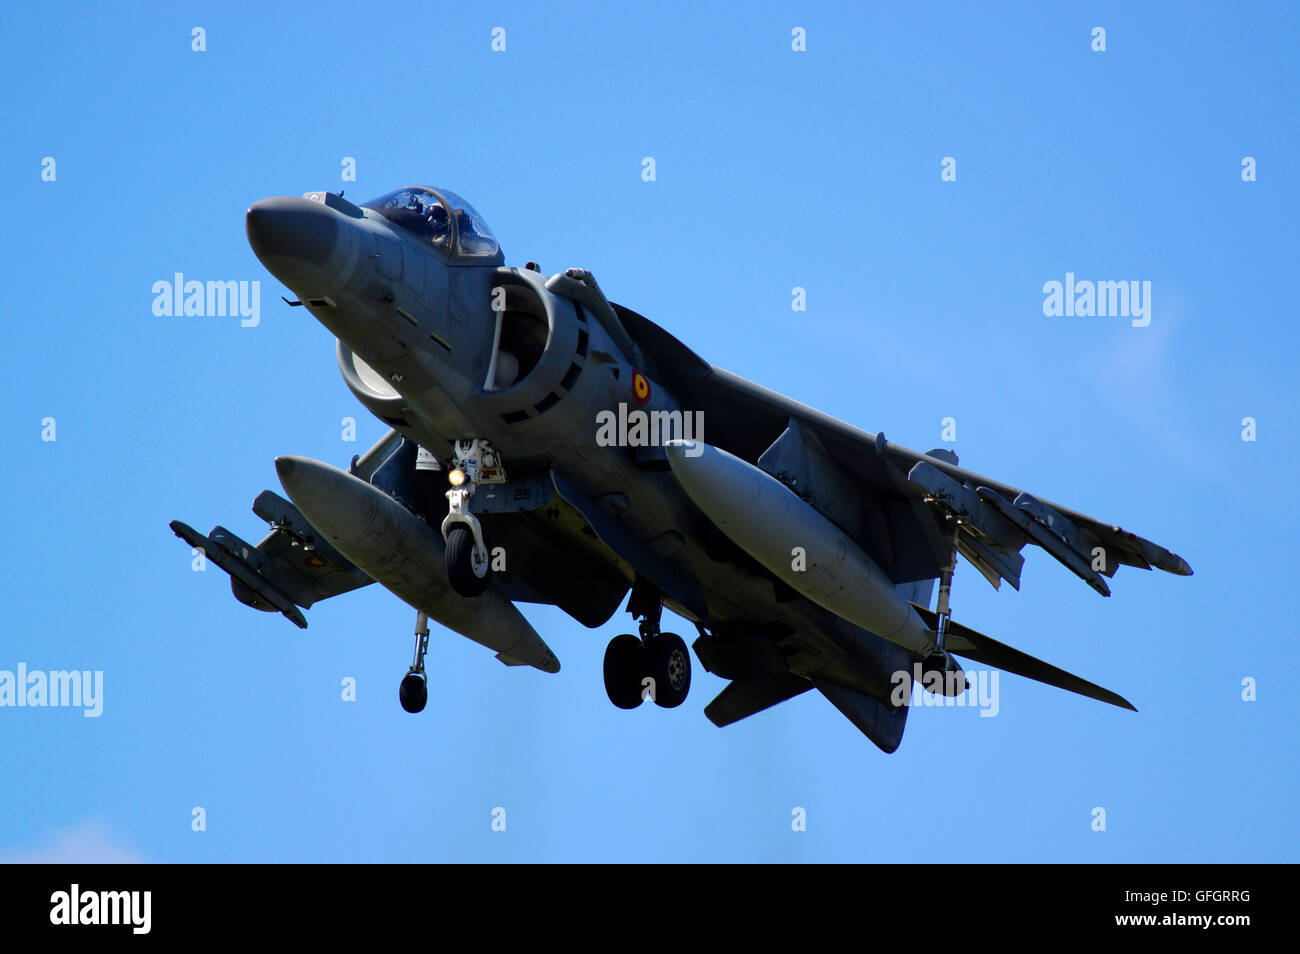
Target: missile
(795, 542)
(405, 554)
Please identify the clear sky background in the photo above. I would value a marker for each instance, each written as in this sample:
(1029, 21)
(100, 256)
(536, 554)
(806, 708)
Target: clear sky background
(775, 169)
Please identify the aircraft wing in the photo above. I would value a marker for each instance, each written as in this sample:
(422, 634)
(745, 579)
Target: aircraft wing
(904, 498)
(292, 566)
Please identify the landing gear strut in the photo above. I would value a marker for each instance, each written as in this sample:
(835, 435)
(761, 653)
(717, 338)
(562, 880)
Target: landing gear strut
(938, 658)
(938, 661)
(655, 665)
(414, 690)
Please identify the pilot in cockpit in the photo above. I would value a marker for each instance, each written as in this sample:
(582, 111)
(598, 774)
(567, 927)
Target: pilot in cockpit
(438, 224)
(425, 214)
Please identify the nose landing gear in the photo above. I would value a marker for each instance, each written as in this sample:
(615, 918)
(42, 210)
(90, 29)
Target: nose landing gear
(467, 561)
(414, 690)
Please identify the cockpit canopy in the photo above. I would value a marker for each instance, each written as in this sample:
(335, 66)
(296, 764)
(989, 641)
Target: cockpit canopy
(439, 217)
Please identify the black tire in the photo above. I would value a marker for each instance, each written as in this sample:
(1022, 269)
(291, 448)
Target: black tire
(413, 692)
(625, 667)
(670, 668)
(937, 663)
(460, 567)
(937, 666)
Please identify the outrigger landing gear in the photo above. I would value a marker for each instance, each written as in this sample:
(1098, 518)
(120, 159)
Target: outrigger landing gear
(467, 560)
(938, 658)
(938, 661)
(414, 690)
(656, 665)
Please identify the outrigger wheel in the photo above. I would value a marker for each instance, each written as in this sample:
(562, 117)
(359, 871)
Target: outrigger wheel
(414, 692)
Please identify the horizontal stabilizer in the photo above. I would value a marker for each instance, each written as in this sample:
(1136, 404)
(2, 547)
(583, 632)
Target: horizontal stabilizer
(964, 641)
(743, 698)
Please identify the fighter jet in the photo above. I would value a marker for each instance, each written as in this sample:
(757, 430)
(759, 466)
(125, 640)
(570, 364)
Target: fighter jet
(547, 445)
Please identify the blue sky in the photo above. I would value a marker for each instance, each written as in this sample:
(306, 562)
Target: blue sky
(774, 169)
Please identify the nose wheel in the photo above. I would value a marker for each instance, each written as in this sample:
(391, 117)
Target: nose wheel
(413, 693)
(467, 568)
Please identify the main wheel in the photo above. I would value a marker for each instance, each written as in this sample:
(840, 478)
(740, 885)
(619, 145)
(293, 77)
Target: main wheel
(670, 668)
(625, 667)
(413, 692)
(467, 575)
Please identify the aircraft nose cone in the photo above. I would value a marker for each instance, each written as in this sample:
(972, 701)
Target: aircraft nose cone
(293, 237)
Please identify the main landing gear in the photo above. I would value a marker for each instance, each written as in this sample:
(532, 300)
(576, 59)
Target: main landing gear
(655, 666)
(414, 690)
(468, 566)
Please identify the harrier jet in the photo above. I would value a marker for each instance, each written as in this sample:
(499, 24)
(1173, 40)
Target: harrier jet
(547, 445)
